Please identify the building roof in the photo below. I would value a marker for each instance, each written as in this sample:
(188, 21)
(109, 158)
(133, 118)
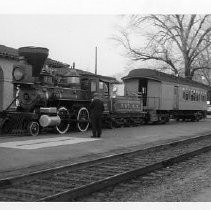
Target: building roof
(160, 76)
(61, 68)
(12, 53)
(63, 71)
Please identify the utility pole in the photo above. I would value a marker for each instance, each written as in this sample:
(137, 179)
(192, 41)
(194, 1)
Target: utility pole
(95, 60)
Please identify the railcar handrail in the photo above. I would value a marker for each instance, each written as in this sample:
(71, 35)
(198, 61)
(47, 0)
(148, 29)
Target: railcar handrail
(151, 102)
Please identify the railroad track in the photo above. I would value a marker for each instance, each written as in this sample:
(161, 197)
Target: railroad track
(69, 182)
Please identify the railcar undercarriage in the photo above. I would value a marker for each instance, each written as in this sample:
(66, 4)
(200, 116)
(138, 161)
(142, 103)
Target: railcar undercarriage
(19, 123)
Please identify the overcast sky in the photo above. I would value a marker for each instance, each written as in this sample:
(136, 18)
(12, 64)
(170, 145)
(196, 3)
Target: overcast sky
(69, 38)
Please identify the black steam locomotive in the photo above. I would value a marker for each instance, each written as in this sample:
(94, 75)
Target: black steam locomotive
(59, 99)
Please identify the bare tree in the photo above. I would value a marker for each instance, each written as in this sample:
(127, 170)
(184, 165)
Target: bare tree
(175, 41)
(203, 62)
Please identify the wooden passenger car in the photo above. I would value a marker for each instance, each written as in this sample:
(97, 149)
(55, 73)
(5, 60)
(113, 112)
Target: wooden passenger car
(166, 96)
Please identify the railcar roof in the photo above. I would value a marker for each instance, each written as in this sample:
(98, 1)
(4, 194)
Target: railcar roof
(108, 79)
(160, 76)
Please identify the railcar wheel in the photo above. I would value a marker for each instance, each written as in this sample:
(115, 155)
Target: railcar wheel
(64, 125)
(33, 128)
(83, 119)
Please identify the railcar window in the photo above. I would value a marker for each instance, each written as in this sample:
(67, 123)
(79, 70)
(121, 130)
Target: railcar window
(106, 89)
(75, 80)
(101, 85)
(186, 95)
(191, 97)
(85, 84)
(93, 86)
(194, 95)
(203, 97)
(197, 96)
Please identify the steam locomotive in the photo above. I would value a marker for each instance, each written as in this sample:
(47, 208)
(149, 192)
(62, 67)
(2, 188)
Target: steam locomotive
(59, 99)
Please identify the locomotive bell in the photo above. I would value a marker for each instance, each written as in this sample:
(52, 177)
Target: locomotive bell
(35, 56)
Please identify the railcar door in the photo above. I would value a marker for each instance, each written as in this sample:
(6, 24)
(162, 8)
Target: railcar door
(176, 97)
(143, 90)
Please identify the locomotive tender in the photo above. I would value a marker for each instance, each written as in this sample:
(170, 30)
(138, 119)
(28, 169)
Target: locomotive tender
(59, 99)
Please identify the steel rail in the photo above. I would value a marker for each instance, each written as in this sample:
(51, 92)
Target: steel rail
(91, 186)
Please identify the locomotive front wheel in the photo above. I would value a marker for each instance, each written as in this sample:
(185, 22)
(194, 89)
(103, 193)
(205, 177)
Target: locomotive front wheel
(63, 127)
(33, 128)
(83, 119)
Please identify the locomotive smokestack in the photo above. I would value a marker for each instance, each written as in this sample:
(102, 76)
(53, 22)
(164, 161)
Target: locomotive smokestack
(36, 56)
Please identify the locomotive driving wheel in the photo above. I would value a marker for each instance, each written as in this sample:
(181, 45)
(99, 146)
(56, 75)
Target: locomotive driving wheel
(64, 125)
(83, 119)
(33, 128)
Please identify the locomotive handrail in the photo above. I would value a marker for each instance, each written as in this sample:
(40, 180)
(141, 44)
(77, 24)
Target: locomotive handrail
(129, 96)
(11, 103)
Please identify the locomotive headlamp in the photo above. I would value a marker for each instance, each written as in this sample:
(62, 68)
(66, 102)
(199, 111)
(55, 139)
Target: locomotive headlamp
(18, 74)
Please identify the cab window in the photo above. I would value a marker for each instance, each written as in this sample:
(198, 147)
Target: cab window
(101, 85)
(93, 86)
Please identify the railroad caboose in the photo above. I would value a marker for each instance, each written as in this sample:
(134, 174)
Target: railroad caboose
(166, 96)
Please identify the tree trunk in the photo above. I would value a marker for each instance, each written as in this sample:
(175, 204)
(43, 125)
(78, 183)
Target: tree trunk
(188, 74)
